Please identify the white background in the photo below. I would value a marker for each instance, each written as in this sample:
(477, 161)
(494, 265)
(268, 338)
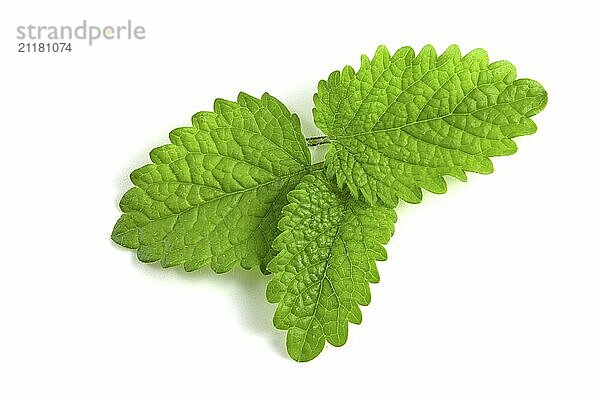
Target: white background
(491, 291)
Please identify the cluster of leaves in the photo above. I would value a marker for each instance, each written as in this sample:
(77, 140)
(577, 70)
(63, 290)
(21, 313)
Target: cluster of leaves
(238, 187)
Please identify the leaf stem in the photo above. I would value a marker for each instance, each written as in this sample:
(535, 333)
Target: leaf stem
(317, 166)
(317, 140)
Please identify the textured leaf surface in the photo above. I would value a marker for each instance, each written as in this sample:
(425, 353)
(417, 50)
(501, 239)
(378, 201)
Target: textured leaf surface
(214, 195)
(327, 251)
(402, 122)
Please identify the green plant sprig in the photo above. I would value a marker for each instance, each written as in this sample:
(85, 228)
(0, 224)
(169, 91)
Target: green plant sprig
(239, 187)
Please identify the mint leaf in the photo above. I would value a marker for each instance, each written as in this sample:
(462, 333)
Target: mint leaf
(327, 251)
(402, 122)
(238, 187)
(214, 196)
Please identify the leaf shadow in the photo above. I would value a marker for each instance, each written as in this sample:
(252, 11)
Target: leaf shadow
(245, 289)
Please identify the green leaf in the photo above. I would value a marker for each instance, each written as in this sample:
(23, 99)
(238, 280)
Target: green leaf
(214, 196)
(402, 122)
(327, 251)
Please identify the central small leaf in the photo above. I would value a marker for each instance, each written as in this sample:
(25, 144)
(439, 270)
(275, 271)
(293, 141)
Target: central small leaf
(328, 247)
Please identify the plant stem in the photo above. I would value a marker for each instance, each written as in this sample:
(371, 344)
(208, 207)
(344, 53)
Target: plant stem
(317, 140)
